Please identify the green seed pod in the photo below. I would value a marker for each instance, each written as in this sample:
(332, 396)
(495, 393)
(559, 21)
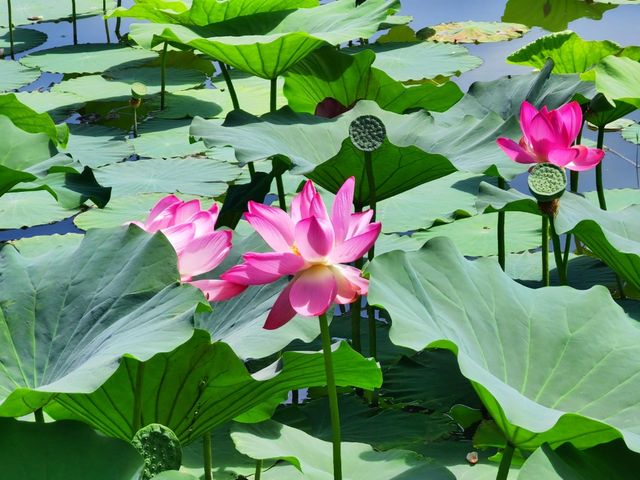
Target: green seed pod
(138, 91)
(547, 182)
(367, 133)
(160, 449)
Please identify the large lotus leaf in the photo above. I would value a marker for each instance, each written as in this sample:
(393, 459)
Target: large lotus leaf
(569, 52)
(63, 451)
(10, 178)
(320, 148)
(19, 149)
(474, 236)
(49, 10)
(419, 61)
(60, 105)
(195, 176)
(68, 319)
(585, 348)
(329, 73)
(204, 12)
(382, 428)
(473, 32)
(618, 78)
(13, 75)
(552, 15)
(253, 92)
(310, 458)
(31, 121)
(165, 138)
(610, 235)
(267, 44)
(202, 102)
(23, 39)
(126, 208)
(441, 200)
(95, 146)
(26, 209)
(87, 58)
(176, 78)
(612, 461)
(200, 386)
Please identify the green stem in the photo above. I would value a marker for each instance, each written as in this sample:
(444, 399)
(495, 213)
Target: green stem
(273, 106)
(502, 254)
(373, 339)
(599, 184)
(545, 250)
(106, 20)
(258, 470)
(622, 296)
(137, 399)
(10, 30)
(39, 415)
(206, 455)
(557, 253)
(574, 180)
(295, 397)
(75, 22)
(135, 123)
(371, 184)
(505, 463)
(282, 201)
(232, 90)
(333, 396)
(118, 22)
(163, 75)
(252, 170)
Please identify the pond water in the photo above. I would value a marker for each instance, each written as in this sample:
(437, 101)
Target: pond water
(615, 23)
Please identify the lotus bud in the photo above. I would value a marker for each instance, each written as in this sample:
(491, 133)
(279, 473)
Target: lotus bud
(138, 91)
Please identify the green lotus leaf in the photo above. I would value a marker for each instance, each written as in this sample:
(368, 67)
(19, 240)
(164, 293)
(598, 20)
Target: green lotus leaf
(328, 73)
(418, 61)
(59, 105)
(30, 121)
(26, 209)
(382, 428)
(253, 92)
(202, 102)
(474, 236)
(612, 461)
(618, 78)
(68, 319)
(552, 15)
(610, 235)
(156, 11)
(310, 458)
(63, 450)
(473, 32)
(267, 44)
(581, 392)
(219, 387)
(192, 175)
(632, 133)
(95, 146)
(320, 148)
(23, 39)
(10, 178)
(51, 10)
(569, 52)
(13, 76)
(19, 149)
(165, 138)
(87, 58)
(174, 475)
(441, 200)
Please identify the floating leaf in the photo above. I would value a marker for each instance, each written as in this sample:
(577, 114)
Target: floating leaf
(14, 76)
(63, 450)
(165, 138)
(582, 392)
(219, 387)
(69, 319)
(95, 146)
(632, 133)
(473, 32)
(23, 11)
(26, 209)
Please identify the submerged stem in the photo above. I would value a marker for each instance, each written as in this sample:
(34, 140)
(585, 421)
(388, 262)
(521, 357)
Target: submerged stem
(561, 266)
(163, 76)
(505, 463)
(502, 255)
(599, 183)
(206, 456)
(545, 250)
(333, 396)
(13, 56)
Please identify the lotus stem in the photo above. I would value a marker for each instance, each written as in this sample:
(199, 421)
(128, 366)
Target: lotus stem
(574, 180)
(545, 250)
(206, 455)
(11, 47)
(39, 415)
(505, 463)
(135, 123)
(273, 95)
(355, 306)
(258, 470)
(561, 266)
(74, 20)
(295, 397)
(371, 183)
(163, 76)
(137, 399)
(502, 255)
(230, 87)
(599, 184)
(333, 396)
(106, 20)
(281, 195)
(118, 22)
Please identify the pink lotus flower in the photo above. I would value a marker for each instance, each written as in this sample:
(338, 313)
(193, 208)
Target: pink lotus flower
(199, 247)
(313, 247)
(548, 136)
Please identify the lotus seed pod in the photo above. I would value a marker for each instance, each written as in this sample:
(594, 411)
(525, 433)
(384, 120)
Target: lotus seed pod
(160, 449)
(547, 182)
(367, 133)
(138, 90)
